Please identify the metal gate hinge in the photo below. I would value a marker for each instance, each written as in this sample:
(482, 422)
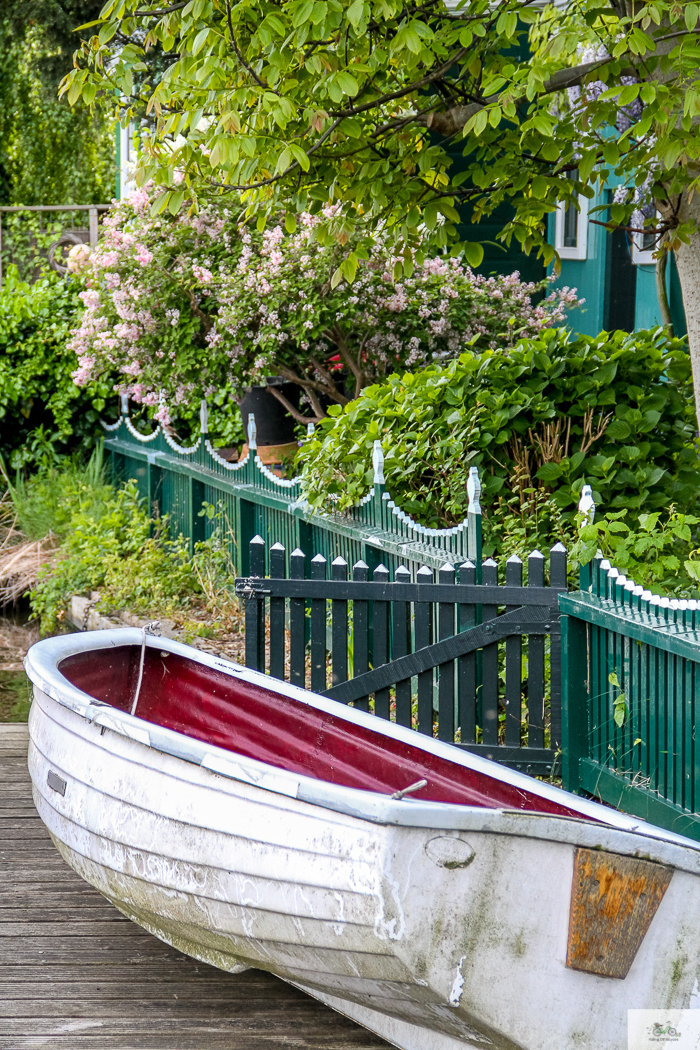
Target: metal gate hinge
(250, 587)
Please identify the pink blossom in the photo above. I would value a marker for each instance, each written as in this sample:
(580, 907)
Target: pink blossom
(142, 255)
(202, 274)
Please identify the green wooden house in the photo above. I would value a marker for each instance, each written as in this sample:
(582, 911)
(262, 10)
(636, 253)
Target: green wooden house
(615, 273)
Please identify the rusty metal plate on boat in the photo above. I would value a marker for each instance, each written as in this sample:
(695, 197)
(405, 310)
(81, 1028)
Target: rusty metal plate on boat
(613, 900)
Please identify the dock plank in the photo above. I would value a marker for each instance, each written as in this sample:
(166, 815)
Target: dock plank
(76, 975)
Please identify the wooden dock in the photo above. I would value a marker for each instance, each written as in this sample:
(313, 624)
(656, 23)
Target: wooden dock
(76, 975)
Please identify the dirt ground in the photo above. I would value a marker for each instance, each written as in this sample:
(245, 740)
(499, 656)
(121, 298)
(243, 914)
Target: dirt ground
(15, 638)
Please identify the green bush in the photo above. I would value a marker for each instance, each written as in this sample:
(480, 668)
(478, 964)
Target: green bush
(41, 408)
(655, 550)
(40, 404)
(615, 411)
(109, 544)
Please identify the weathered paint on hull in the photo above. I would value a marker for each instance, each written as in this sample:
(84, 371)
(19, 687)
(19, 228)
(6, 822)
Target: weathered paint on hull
(432, 938)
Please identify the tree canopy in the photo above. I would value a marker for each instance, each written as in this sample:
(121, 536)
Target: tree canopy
(49, 154)
(364, 101)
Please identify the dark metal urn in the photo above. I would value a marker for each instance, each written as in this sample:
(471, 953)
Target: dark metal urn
(273, 423)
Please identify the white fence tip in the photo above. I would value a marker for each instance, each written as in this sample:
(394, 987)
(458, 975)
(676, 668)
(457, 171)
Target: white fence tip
(378, 463)
(586, 504)
(473, 491)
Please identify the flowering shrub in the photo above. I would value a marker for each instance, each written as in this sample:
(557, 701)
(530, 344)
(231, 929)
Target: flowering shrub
(180, 306)
(284, 317)
(147, 306)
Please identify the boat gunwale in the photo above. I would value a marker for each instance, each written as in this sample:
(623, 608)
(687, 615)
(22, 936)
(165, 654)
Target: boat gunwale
(605, 824)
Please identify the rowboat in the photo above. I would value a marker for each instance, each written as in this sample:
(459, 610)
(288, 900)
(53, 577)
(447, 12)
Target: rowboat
(435, 897)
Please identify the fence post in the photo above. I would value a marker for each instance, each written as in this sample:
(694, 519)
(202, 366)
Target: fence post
(339, 626)
(574, 700)
(446, 672)
(277, 572)
(557, 578)
(474, 537)
(255, 611)
(318, 629)
(514, 663)
(379, 482)
(297, 623)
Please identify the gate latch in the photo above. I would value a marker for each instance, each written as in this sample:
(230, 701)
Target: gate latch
(249, 587)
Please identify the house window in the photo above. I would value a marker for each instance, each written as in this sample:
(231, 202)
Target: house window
(571, 227)
(643, 247)
(127, 156)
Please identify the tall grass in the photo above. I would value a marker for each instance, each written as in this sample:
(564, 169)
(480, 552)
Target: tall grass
(46, 502)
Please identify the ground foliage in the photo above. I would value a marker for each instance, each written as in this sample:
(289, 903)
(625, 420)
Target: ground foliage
(539, 421)
(108, 543)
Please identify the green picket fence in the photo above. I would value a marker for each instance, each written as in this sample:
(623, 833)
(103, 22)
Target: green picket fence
(631, 698)
(630, 661)
(177, 481)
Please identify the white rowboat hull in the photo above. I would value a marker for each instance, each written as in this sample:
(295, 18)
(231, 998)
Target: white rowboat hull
(435, 937)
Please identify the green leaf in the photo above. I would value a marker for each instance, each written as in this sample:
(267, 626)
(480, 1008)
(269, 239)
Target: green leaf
(474, 254)
(159, 203)
(200, 40)
(302, 13)
(175, 201)
(348, 267)
(356, 13)
(337, 277)
(284, 160)
(549, 472)
(618, 430)
(347, 82)
(586, 164)
(106, 32)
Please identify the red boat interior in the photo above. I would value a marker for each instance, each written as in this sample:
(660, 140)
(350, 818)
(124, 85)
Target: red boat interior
(248, 719)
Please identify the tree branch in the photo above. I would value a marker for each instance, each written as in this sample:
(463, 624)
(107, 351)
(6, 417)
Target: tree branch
(152, 14)
(294, 412)
(310, 387)
(437, 74)
(660, 230)
(329, 386)
(338, 338)
(251, 72)
(454, 119)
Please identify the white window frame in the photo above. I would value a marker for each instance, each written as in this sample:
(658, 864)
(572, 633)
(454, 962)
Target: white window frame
(581, 250)
(642, 256)
(126, 156)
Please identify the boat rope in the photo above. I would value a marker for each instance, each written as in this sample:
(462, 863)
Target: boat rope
(413, 787)
(148, 628)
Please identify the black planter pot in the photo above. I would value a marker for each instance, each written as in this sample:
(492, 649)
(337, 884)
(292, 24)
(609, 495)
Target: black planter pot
(273, 423)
